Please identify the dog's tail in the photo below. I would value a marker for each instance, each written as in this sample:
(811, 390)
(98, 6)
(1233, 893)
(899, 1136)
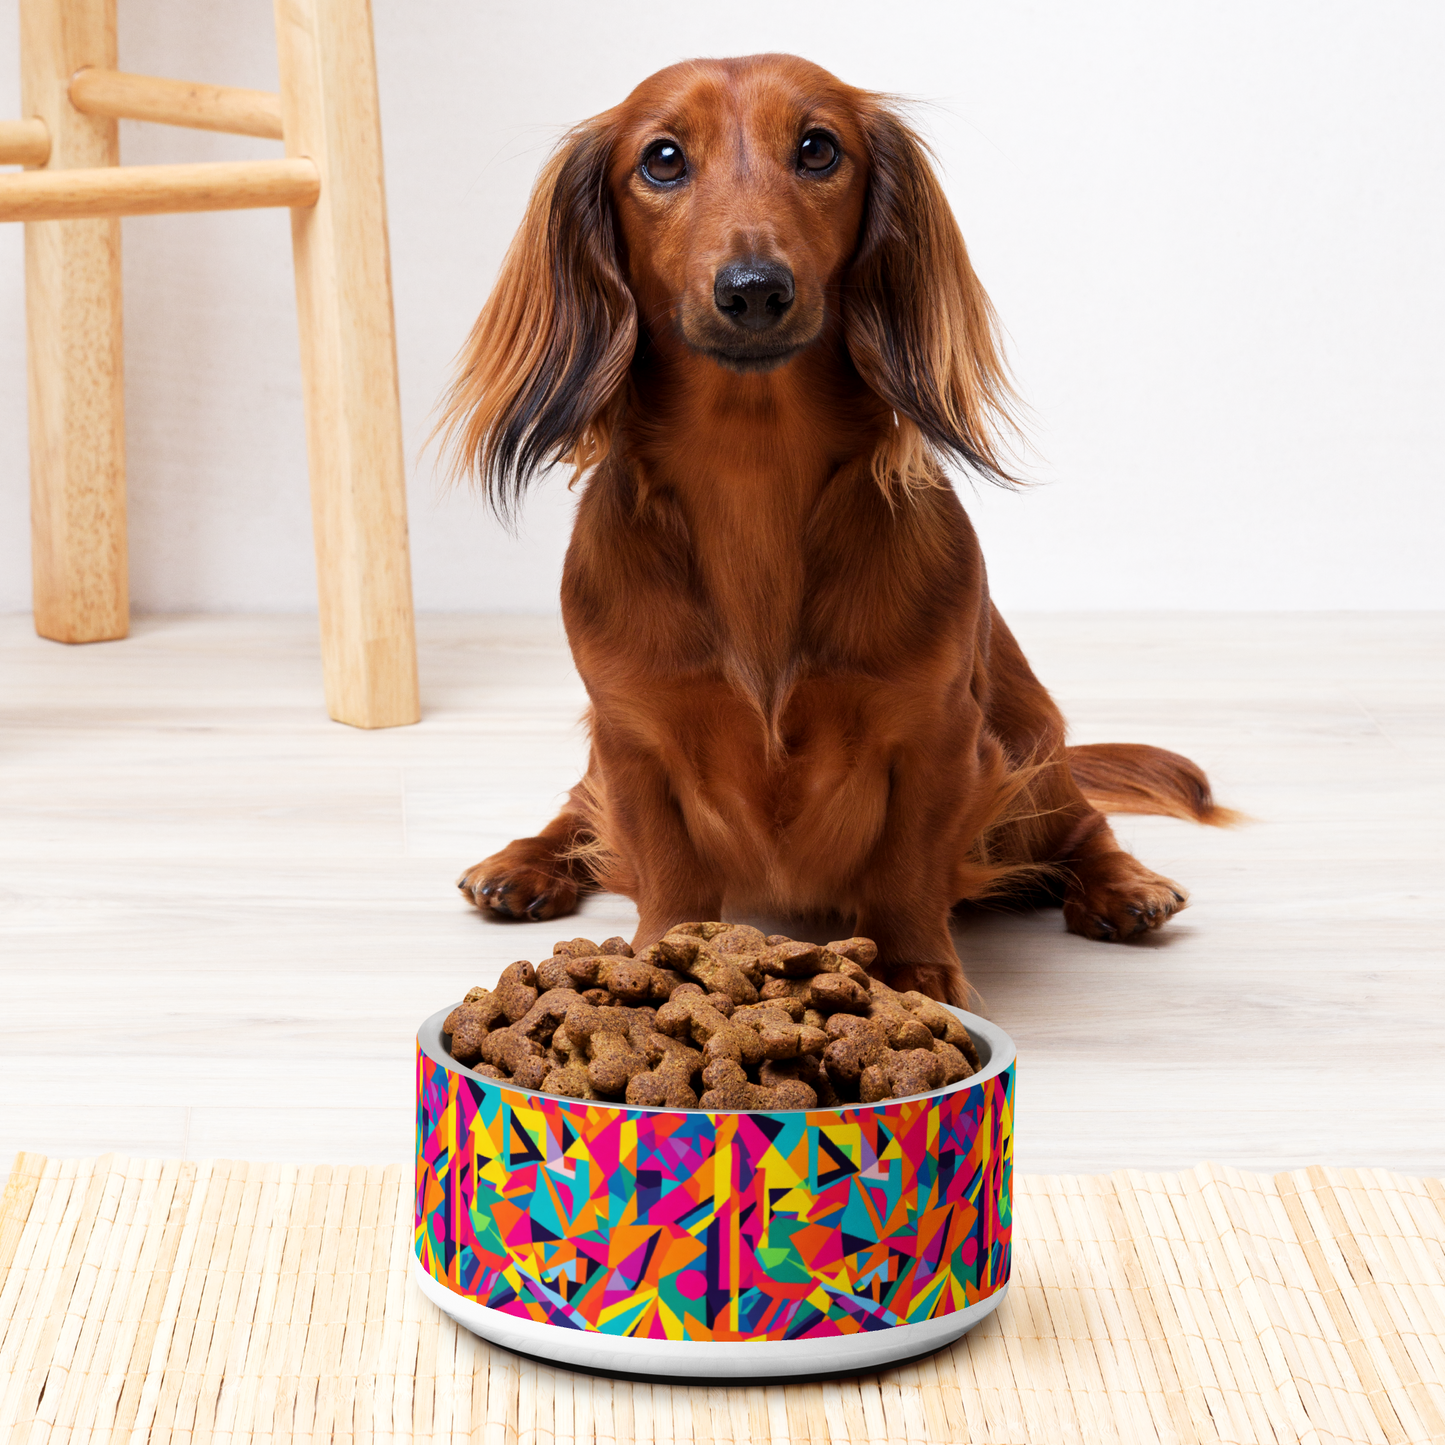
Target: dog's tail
(1135, 778)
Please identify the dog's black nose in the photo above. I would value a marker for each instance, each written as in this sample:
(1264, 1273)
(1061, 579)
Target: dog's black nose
(756, 294)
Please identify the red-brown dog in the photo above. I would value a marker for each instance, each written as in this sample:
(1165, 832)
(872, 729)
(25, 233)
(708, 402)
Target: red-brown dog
(740, 303)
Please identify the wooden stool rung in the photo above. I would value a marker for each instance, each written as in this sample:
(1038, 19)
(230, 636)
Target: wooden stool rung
(24, 143)
(155, 190)
(96, 91)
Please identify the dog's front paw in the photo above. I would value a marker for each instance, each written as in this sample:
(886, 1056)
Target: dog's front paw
(1115, 898)
(516, 883)
(943, 981)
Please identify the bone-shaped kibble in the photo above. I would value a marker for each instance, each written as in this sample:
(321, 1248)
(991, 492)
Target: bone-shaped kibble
(632, 980)
(575, 948)
(552, 972)
(780, 1036)
(728, 1087)
(469, 1023)
(508, 1049)
(546, 1016)
(941, 1023)
(704, 931)
(805, 1069)
(900, 1075)
(569, 1081)
(720, 1001)
(739, 940)
(832, 993)
(862, 951)
(612, 1060)
(798, 960)
(775, 989)
(668, 1084)
(905, 1030)
(856, 1043)
(516, 989)
(691, 1017)
(691, 956)
(956, 1067)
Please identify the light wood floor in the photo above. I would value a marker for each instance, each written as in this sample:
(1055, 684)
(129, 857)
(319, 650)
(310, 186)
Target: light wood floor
(223, 916)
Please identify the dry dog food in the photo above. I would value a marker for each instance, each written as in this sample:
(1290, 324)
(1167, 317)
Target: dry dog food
(714, 1016)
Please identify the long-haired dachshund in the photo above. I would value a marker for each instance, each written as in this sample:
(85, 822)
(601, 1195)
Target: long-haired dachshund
(740, 306)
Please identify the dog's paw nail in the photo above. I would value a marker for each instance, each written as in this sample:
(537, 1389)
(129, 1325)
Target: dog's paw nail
(1106, 929)
(1178, 897)
(1135, 911)
(534, 909)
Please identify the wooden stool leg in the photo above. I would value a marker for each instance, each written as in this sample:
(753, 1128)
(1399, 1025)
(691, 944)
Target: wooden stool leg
(348, 360)
(72, 306)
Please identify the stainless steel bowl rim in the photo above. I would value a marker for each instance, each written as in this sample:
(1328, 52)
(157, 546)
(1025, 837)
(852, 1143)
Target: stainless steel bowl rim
(987, 1037)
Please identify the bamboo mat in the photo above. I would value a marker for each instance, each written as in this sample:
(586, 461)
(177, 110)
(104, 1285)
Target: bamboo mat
(150, 1300)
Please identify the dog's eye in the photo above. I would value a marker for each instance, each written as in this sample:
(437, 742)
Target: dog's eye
(664, 162)
(818, 151)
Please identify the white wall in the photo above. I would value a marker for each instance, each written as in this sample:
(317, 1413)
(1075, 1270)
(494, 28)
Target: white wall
(1212, 229)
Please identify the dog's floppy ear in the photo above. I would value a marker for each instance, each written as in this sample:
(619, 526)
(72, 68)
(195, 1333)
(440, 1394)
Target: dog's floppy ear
(539, 376)
(919, 326)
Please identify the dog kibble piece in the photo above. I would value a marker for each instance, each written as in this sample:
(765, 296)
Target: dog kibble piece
(692, 957)
(908, 1033)
(833, 993)
(545, 1016)
(516, 990)
(805, 1069)
(779, 988)
(470, 1022)
(728, 1087)
(904, 1029)
(612, 1060)
(570, 1081)
(780, 1036)
(530, 1073)
(575, 948)
(630, 979)
(717, 1009)
(956, 1068)
(941, 1024)
(852, 1052)
(508, 1049)
(798, 960)
(862, 951)
(899, 1075)
(738, 941)
(695, 1018)
(552, 973)
(668, 1084)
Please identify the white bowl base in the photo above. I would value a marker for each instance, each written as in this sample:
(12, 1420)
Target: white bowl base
(704, 1359)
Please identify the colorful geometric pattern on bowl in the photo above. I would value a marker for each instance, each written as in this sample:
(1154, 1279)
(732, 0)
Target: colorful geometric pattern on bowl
(684, 1225)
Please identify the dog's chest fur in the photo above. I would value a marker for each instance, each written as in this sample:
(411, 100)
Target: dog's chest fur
(775, 667)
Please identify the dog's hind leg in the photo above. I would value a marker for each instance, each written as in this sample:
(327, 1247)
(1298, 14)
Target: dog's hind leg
(1106, 892)
(542, 877)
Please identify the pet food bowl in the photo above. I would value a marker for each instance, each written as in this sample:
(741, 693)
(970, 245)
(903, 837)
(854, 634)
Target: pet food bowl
(687, 1244)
